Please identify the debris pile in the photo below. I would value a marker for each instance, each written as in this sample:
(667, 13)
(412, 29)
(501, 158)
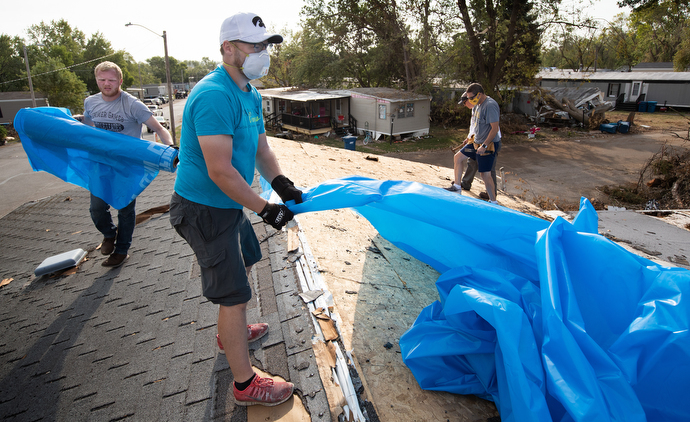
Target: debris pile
(666, 178)
(562, 106)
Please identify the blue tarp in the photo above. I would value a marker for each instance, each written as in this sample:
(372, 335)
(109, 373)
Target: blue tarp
(551, 321)
(113, 166)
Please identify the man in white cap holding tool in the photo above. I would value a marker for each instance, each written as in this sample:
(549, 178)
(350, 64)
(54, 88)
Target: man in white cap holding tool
(223, 141)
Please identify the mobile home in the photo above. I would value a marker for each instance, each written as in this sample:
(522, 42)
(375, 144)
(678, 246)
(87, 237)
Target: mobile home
(666, 88)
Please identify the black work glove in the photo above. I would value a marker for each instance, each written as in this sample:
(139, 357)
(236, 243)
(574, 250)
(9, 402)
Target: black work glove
(277, 215)
(286, 189)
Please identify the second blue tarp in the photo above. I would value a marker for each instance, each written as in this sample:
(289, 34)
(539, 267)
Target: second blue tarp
(112, 166)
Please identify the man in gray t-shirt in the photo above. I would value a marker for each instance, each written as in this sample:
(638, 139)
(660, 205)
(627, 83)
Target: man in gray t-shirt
(486, 143)
(117, 111)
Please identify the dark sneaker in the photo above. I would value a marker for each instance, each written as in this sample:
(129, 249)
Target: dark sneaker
(108, 245)
(484, 195)
(264, 391)
(254, 332)
(115, 260)
(453, 188)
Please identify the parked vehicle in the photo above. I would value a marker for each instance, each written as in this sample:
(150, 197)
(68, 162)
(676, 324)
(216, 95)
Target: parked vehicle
(155, 100)
(150, 103)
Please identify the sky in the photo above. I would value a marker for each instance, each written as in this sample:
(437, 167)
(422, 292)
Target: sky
(192, 29)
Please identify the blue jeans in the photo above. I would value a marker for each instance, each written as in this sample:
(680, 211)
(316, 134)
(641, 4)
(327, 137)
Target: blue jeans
(126, 220)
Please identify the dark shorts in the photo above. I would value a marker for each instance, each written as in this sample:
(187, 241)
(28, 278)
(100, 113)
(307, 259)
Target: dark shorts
(485, 162)
(224, 243)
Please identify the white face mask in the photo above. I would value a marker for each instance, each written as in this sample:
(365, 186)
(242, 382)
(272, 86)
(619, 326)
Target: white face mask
(256, 65)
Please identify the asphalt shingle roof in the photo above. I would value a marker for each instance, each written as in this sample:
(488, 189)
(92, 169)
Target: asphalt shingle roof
(136, 342)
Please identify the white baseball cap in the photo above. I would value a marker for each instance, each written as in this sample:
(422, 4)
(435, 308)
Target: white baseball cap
(247, 27)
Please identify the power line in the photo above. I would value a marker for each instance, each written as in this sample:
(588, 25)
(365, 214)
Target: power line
(57, 70)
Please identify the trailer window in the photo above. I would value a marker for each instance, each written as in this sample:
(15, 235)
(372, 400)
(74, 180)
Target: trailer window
(382, 111)
(636, 89)
(410, 109)
(614, 89)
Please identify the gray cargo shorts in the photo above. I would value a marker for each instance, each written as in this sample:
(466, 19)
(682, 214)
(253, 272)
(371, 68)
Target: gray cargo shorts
(224, 243)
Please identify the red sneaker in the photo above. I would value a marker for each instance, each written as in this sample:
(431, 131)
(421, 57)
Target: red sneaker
(264, 391)
(254, 332)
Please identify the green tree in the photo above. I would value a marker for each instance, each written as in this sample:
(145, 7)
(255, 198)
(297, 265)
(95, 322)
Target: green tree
(157, 64)
(62, 87)
(141, 73)
(638, 5)
(370, 39)
(504, 40)
(592, 44)
(620, 41)
(305, 61)
(58, 41)
(198, 69)
(681, 60)
(659, 29)
(12, 67)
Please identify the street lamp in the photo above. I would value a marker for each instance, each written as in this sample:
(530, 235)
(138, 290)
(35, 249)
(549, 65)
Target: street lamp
(28, 73)
(167, 76)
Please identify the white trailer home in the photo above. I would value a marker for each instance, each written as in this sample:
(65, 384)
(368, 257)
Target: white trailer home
(389, 111)
(626, 88)
(381, 111)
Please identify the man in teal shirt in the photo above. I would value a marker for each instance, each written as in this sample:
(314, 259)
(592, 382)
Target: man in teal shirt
(223, 141)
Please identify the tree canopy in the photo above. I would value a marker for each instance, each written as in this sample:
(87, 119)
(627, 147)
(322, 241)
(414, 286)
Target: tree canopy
(11, 64)
(410, 44)
(655, 31)
(63, 60)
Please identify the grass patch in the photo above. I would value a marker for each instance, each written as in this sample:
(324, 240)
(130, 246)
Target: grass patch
(439, 138)
(669, 120)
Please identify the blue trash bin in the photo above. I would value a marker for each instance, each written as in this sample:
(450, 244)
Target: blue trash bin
(651, 106)
(642, 106)
(350, 142)
(623, 127)
(608, 127)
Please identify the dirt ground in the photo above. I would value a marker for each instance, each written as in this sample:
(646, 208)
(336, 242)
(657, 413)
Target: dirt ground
(558, 169)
